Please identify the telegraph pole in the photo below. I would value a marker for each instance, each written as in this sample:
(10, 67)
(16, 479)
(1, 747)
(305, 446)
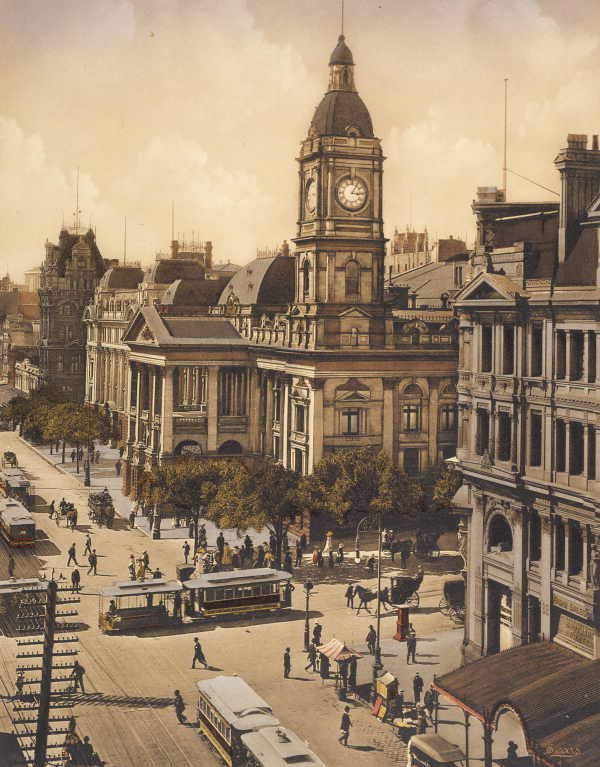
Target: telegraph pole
(41, 734)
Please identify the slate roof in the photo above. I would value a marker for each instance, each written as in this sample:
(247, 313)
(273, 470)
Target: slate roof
(262, 281)
(341, 54)
(194, 292)
(555, 691)
(340, 110)
(169, 331)
(430, 281)
(122, 278)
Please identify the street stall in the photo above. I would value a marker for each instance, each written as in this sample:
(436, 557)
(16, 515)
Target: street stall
(346, 659)
(139, 604)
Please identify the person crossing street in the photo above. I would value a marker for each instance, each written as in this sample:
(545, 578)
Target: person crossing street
(198, 654)
(72, 555)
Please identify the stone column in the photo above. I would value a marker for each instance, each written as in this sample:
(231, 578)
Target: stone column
(315, 421)
(166, 415)
(212, 408)
(519, 569)
(432, 431)
(493, 437)
(568, 371)
(285, 421)
(597, 357)
(390, 416)
(586, 356)
(138, 398)
(567, 447)
(475, 596)
(254, 393)
(268, 447)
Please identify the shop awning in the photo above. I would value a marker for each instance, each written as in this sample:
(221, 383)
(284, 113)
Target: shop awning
(338, 651)
(555, 692)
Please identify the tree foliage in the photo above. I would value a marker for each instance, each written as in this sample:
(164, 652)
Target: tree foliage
(185, 483)
(446, 486)
(352, 483)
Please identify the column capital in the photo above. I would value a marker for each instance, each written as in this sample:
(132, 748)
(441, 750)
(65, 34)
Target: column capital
(317, 383)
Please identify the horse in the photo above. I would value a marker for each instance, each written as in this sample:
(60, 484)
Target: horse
(364, 596)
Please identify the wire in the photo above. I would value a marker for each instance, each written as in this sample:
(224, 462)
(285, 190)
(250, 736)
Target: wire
(531, 181)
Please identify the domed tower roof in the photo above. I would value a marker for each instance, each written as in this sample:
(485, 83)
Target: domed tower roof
(341, 112)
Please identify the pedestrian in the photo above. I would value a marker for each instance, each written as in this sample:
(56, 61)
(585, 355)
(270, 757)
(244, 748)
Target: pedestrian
(349, 596)
(384, 597)
(73, 456)
(371, 640)
(177, 606)
(179, 707)
(312, 657)
(287, 593)
(511, 753)
(298, 560)
(340, 554)
(51, 510)
(418, 687)
(429, 701)
(236, 558)
(269, 558)
(146, 560)
(88, 545)
(345, 726)
(330, 560)
(186, 551)
(421, 720)
(260, 556)
(287, 663)
(131, 569)
(198, 654)
(320, 560)
(141, 570)
(317, 630)
(11, 565)
(93, 562)
(72, 555)
(323, 668)
(75, 581)
(132, 516)
(287, 565)
(156, 574)
(118, 468)
(411, 644)
(303, 542)
(371, 564)
(19, 682)
(97, 456)
(77, 674)
(220, 543)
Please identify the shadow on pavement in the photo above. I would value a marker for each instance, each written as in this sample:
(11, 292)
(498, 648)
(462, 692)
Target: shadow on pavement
(10, 751)
(118, 701)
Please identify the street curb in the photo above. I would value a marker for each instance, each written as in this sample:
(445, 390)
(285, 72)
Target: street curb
(51, 463)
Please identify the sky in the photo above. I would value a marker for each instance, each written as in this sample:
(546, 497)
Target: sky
(205, 102)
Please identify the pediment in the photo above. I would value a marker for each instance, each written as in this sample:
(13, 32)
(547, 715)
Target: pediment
(489, 287)
(352, 390)
(594, 209)
(138, 331)
(355, 312)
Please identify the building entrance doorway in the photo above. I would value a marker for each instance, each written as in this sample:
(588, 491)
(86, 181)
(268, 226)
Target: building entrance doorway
(499, 618)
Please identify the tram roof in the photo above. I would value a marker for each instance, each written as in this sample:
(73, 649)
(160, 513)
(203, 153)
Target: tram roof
(138, 588)
(22, 584)
(240, 706)
(13, 513)
(278, 746)
(237, 578)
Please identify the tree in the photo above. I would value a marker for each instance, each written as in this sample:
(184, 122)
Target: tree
(446, 486)
(352, 483)
(84, 426)
(57, 426)
(17, 410)
(266, 497)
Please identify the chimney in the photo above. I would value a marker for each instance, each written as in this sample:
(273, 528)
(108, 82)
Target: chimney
(208, 256)
(285, 248)
(579, 169)
(174, 248)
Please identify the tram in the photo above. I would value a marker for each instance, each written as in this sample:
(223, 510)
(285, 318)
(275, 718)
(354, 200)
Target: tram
(14, 484)
(240, 591)
(137, 604)
(17, 525)
(228, 708)
(277, 747)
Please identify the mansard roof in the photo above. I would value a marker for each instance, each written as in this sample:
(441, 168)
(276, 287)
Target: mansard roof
(267, 281)
(151, 328)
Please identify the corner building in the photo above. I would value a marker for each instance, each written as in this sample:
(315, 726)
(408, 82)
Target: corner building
(302, 354)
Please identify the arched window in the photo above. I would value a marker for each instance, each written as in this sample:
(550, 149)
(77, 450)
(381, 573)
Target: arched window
(305, 278)
(352, 279)
(500, 534)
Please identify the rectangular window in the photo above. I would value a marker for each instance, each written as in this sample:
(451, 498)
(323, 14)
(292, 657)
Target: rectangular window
(576, 448)
(411, 461)
(486, 348)
(537, 350)
(411, 418)
(350, 421)
(448, 417)
(298, 462)
(575, 548)
(276, 447)
(535, 439)
(561, 354)
(504, 436)
(577, 345)
(276, 404)
(559, 545)
(482, 437)
(591, 467)
(535, 537)
(508, 349)
(591, 357)
(559, 445)
(300, 418)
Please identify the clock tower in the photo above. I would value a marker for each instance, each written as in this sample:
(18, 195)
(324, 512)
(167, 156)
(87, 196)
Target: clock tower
(340, 245)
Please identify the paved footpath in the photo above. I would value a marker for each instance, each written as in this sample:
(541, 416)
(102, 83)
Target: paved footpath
(130, 679)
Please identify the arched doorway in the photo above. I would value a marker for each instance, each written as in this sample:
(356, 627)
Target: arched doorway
(188, 447)
(231, 447)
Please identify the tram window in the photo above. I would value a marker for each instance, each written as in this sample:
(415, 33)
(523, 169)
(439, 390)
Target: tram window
(219, 594)
(266, 588)
(255, 591)
(229, 593)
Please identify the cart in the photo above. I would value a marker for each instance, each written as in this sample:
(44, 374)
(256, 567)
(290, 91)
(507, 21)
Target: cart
(9, 460)
(452, 603)
(405, 589)
(101, 508)
(426, 545)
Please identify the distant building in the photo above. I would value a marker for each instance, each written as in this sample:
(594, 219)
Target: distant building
(32, 279)
(407, 250)
(448, 248)
(223, 270)
(69, 275)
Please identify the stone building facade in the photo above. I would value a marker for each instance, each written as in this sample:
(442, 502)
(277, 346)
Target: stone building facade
(407, 250)
(302, 354)
(69, 275)
(529, 416)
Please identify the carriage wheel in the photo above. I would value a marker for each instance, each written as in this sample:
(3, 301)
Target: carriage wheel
(413, 600)
(444, 606)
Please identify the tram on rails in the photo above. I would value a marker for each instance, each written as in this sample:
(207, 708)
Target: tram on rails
(277, 747)
(17, 525)
(228, 708)
(137, 604)
(14, 484)
(235, 592)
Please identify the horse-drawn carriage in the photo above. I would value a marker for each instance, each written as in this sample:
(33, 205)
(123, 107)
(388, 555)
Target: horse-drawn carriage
(9, 460)
(101, 508)
(452, 603)
(426, 545)
(405, 589)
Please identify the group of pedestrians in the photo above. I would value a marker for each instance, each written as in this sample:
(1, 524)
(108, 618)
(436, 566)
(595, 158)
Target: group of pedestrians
(89, 552)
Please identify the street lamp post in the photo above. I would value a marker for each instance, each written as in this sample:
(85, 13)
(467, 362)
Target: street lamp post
(377, 665)
(356, 542)
(308, 587)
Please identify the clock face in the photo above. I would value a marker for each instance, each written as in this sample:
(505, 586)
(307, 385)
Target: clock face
(311, 196)
(352, 193)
